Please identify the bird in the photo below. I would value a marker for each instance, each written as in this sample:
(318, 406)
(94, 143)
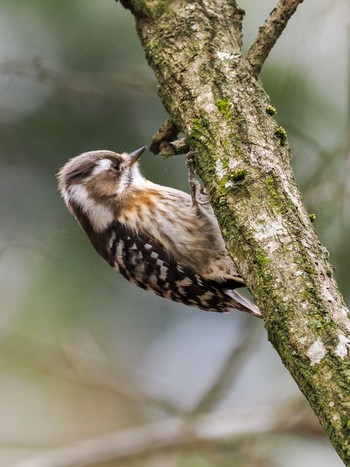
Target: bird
(159, 238)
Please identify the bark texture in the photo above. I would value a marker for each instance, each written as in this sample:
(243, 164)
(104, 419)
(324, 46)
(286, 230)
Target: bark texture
(211, 93)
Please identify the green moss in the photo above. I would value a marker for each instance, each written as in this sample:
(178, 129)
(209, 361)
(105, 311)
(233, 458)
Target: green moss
(221, 185)
(225, 187)
(330, 271)
(281, 134)
(230, 182)
(197, 129)
(235, 176)
(238, 175)
(310, 270)
(225, 144)
(225, 164)
(310, 295)
(271, 110)
(157, 9)
(225, 108)
(161, 8)
(312, 217)
(262, 259)
(271, 185)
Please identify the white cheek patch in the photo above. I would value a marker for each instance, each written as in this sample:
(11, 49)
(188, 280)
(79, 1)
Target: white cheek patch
(65, 196)
(99, 216)
(101, 166)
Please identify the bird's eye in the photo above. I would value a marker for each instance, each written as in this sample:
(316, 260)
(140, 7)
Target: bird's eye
(115, 165)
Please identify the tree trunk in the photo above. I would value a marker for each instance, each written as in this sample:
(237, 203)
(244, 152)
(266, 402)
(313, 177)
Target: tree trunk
(212, 94)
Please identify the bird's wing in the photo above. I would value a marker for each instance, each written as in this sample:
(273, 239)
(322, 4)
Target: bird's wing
(145, 263)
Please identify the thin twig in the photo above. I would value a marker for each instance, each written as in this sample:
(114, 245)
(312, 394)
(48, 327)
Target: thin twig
(170, 433)
(230, 369)
(174, 148)
(270, 32)
(166, 134)
(50, 359)
(71, 83)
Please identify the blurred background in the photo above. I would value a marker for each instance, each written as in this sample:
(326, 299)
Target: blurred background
(82, 352)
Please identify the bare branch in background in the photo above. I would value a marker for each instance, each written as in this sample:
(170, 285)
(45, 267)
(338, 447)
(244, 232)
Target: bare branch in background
(81, 369)
(230, 369)
(270, 32)
(80, 83)
(134, 443)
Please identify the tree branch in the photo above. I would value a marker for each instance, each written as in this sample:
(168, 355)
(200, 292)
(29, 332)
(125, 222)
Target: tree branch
(169, 433)
(270, 32)
(243, 158)
(77, 84)
(230, 369)
(53, 360)
(166, 134)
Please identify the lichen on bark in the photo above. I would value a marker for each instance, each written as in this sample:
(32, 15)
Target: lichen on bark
(212, 94)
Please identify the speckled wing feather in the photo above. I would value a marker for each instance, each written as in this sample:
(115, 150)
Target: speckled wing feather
(143, 262)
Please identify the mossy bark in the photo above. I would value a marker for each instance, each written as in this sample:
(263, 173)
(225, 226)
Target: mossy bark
(243, 157)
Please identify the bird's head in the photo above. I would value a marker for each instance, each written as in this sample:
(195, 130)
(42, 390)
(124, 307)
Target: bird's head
(94, 181)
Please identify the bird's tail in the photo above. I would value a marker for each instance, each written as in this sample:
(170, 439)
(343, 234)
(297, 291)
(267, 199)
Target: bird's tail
(243, 303)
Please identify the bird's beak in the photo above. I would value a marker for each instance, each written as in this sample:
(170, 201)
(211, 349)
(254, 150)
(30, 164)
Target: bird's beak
(135, 155)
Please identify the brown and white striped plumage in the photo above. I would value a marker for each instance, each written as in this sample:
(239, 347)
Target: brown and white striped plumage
(153, 235)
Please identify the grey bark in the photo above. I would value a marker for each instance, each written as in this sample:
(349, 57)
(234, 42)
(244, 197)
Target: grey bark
(211, 92)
